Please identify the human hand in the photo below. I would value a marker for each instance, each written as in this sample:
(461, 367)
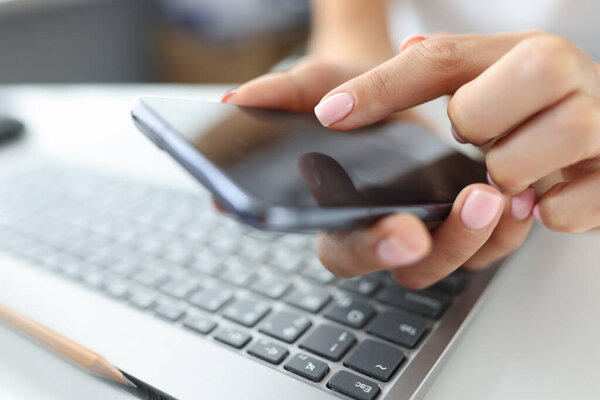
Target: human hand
(531, 98)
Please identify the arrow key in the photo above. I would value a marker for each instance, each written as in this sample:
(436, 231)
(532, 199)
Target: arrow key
(307, 367)
(268, 351)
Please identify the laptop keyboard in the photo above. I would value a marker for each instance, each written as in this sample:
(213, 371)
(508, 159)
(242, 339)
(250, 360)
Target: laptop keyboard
(167, 253)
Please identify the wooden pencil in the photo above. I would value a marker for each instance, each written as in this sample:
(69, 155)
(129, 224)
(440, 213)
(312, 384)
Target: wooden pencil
(80, 356)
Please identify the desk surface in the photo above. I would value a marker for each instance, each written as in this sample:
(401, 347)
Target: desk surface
(535, 336)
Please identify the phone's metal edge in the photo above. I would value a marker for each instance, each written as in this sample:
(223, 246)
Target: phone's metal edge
(308, 220)
(165, 138)
(248, 209)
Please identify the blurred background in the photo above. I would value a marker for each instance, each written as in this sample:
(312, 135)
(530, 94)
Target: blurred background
(74, 41)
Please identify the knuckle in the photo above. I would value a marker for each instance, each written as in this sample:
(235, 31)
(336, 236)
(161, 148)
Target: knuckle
(381, 90)
(582, 121)
(554, 213)
(462, 120)
(551, 58)
(502, 174)
(442, 53)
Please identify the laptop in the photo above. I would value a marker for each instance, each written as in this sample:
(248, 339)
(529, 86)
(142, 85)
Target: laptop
(192, 305)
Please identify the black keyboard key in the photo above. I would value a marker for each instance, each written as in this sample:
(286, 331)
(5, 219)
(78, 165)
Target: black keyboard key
(307, 367)
(398, 327)
(199, 324)
(329, 342)
(375, 359)
(422, 302)
(286, 326)
(179, 288)
(311, 300)
(169, 311)
(271, 286)
(211, 299)
(353, 386)
(246, 312)
(233, 337)
(268, 351)
(365, 285)
(453, 283)
(352, 313)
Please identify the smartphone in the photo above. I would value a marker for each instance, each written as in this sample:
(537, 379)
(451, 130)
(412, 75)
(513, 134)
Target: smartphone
(283, 171)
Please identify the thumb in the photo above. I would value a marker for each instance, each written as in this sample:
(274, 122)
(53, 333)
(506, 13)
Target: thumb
(298, 89)
(429, 69)
(474, 216)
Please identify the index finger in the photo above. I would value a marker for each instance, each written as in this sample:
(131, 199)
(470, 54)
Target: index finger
(429, 69)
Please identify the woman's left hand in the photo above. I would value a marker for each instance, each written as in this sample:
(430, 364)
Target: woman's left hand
(533, 98)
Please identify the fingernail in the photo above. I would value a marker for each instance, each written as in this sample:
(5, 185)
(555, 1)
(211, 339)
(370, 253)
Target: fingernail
(521, 205)
(334, 108)
(536, 212)
(492, 183)
(457, 136)
(228, 95)
(412, 39)
(480, 209)
(394, 253)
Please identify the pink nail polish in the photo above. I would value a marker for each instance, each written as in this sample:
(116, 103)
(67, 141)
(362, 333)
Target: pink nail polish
(492, 183)
(411, 40)
(536, 212)
(334, 108)
(457, 136)
(228, 95)
(393, 253)
(480, 209)
(521, 205)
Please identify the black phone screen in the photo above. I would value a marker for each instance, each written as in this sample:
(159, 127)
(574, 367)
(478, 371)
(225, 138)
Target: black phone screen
(289, 159)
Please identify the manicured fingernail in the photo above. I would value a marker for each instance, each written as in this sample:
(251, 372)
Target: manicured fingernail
(412, 39)
(457, 136)
(228, 95)
(394, 253)
(536, 212)
(334, 108)
(521, 205)
(492, 183)
(480, 209)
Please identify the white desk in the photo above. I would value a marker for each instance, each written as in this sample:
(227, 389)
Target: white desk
(535, 337)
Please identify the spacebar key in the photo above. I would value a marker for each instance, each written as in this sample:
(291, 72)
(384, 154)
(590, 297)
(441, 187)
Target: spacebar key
(354, 386)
